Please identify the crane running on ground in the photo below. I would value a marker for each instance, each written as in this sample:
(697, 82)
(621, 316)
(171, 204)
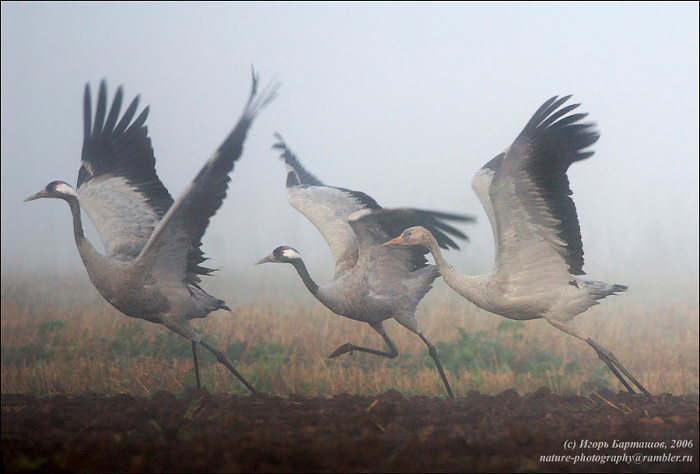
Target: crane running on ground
(371, 283)
(151, 269)
(539, 254)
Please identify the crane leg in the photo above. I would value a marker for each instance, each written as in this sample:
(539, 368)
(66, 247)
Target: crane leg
(616, 367)
(221, 357)
(605, 355)
(434, 354)
(196, 364)
(616, 372)
(379, 327)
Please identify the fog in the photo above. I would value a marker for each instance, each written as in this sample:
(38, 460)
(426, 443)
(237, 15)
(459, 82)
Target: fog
(404, 101)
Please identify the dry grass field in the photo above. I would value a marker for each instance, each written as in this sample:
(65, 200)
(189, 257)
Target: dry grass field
(60, 337)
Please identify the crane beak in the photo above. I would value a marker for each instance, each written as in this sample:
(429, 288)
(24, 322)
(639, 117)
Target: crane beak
(397, 241)
(269, 258)
(39, 195)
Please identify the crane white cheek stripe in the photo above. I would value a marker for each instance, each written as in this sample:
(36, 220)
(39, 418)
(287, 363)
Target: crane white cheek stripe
(65, 189)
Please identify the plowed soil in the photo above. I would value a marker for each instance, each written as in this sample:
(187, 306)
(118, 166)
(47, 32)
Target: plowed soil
(204, 432)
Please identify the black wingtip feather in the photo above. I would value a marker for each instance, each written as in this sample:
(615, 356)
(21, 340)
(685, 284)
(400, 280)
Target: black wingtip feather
(556, 139)
(233, 144)
(120, 147)
(141, 119)
(210, 186)
(87, 113)
(126, 118)
(559, 113)
(303, 176)
(114, 109)
(395, 221)
(101, 108)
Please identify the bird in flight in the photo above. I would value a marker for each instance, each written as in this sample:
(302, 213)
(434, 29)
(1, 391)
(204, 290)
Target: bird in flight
(539, 253)
(151, 267)
(371, 283)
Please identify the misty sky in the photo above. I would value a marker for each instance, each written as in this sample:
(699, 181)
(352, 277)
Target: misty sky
(402, 101)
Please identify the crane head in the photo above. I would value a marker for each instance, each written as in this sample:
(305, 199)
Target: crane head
(55, 189)
(417, 235)
(283, 254)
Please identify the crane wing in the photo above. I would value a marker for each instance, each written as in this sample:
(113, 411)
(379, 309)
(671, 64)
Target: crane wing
(327, 207)
(117, 183)
(374, 227)
(526, 193)
(173, 248)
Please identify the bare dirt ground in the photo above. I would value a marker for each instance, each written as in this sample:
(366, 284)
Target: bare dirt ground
(203, 432)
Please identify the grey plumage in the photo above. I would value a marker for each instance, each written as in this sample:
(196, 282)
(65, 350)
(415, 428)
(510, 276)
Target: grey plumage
(371, 283)
(151, 269)
(539, 253)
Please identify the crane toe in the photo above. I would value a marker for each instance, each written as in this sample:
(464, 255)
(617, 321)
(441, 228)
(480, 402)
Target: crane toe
(347, 347)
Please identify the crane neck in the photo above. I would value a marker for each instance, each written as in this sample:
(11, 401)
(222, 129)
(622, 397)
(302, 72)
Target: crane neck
(305, 277)
(85, 248)
(471, 287)
(77, 220)
(445, 268)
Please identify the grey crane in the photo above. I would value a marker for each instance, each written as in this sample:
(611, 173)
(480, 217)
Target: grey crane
(539, 254)
(151, 269)
(371, 283)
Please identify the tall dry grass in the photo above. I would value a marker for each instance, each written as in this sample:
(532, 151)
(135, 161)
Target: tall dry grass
(59, 336)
